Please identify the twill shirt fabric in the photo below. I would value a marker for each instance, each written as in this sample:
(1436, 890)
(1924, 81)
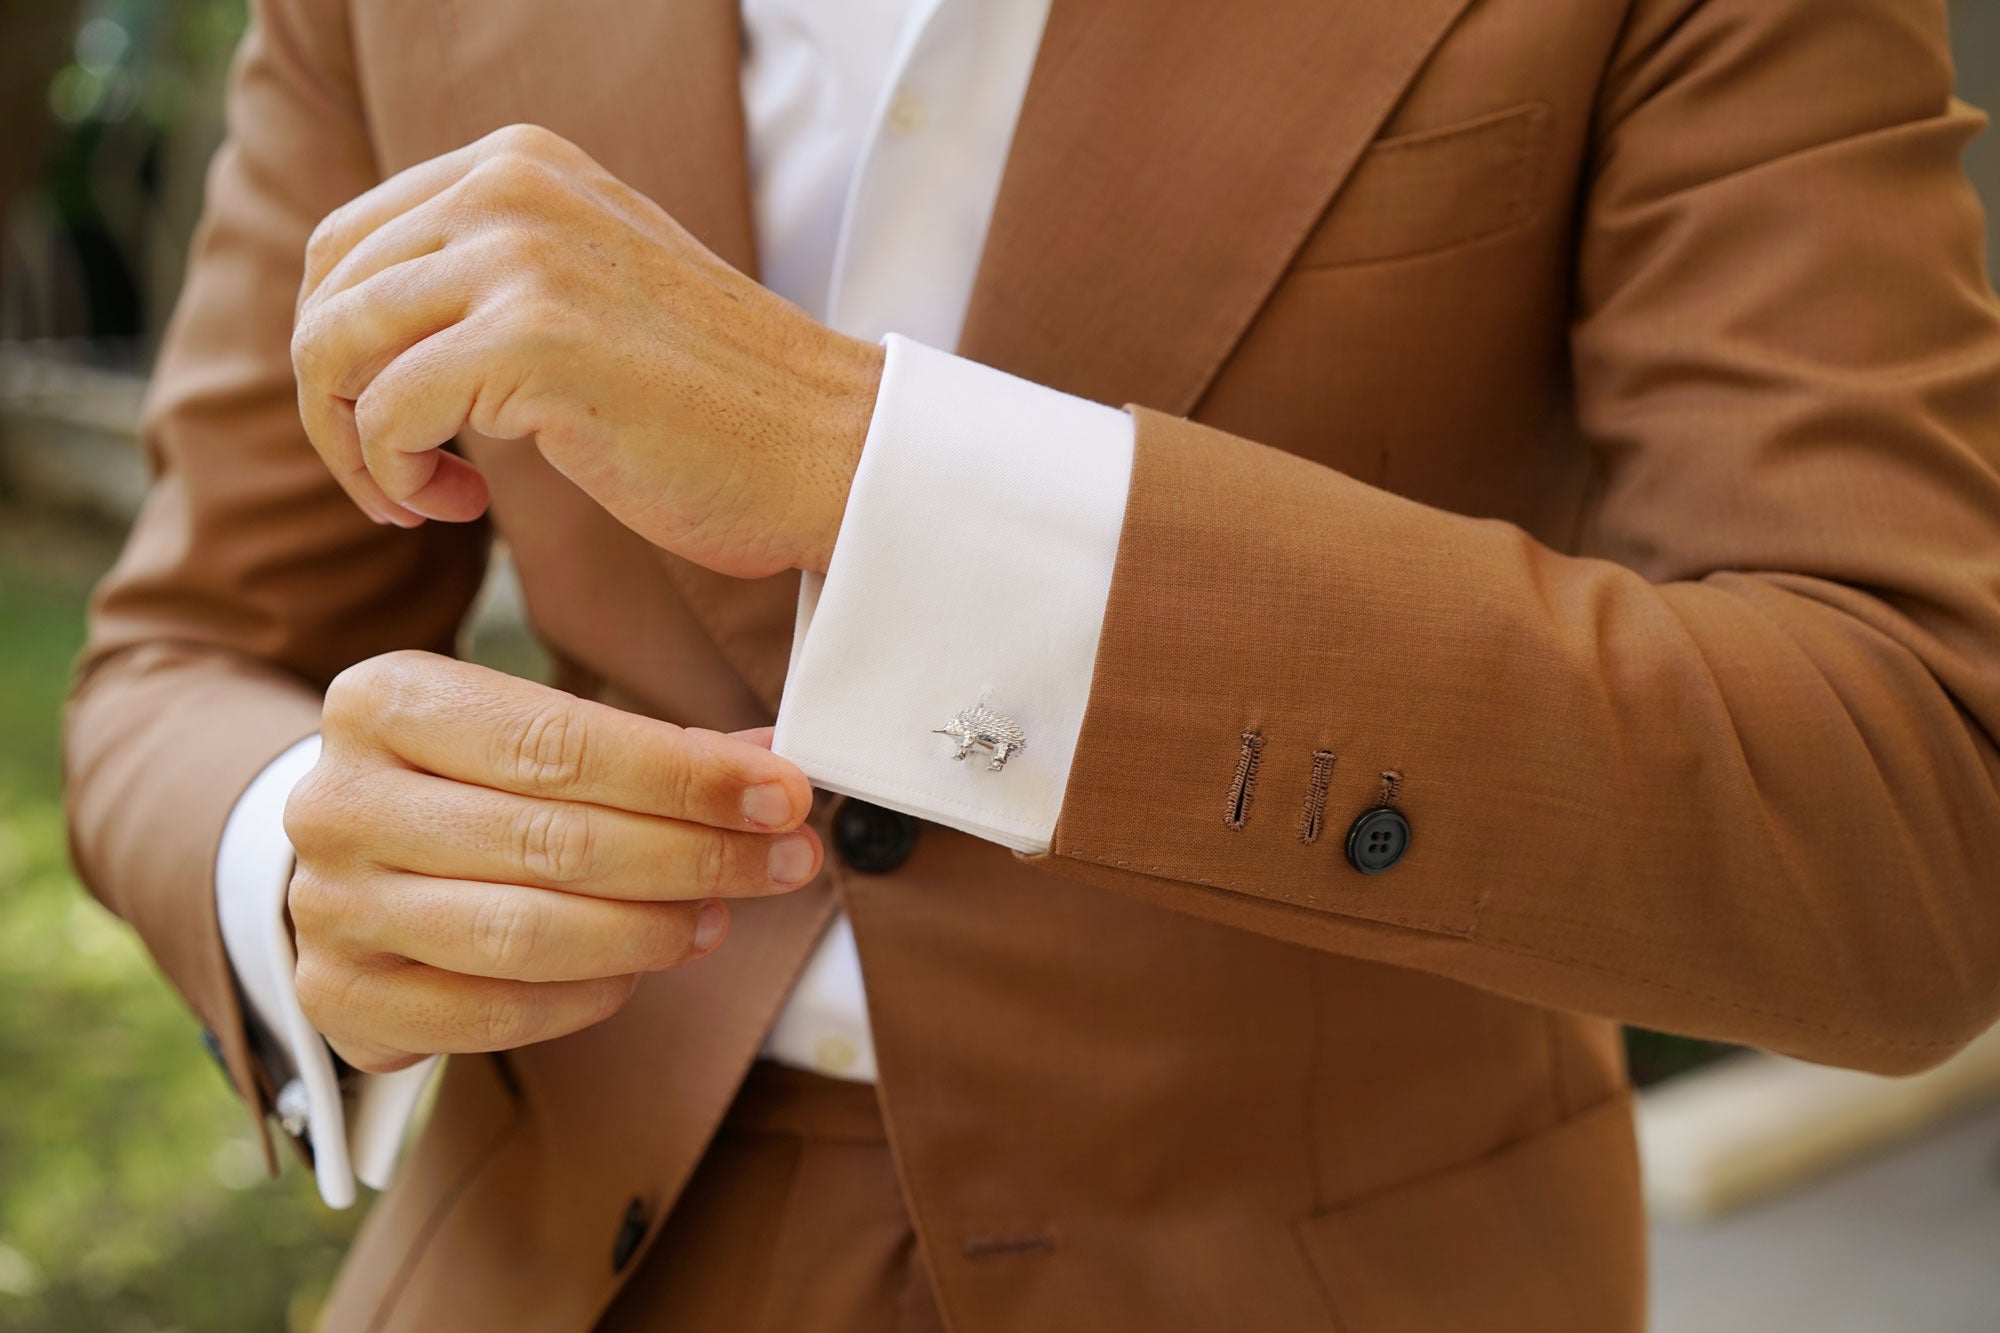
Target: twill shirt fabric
(1573, 424)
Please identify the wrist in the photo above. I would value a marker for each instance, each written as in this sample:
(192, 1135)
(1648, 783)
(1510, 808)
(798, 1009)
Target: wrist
(855, 375)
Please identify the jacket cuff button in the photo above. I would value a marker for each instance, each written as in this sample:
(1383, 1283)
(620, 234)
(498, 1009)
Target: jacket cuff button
(1378, 840)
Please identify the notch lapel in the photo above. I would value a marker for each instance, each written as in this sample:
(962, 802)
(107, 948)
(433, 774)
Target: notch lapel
(1171, 156)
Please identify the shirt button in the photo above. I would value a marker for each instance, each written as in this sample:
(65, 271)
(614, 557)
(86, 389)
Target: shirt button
(1378, 840)
(871, 839)
(834, 1055)
(907, 113)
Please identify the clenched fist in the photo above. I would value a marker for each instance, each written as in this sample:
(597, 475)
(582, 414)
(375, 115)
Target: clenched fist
(517, 288)
(485, 862)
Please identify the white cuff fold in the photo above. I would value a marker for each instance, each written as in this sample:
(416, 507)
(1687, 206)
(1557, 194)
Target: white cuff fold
(355, 1131)
(972, 568)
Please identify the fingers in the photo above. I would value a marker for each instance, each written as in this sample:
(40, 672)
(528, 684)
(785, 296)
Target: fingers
(355, 250)
(424, 230)
(417, 404)
(384, 1014)
(510, 157)
(466, 722)
(345, 341)
(439, 827)
(330, 428)
(511, 931)
(340, 345)
(344, 229)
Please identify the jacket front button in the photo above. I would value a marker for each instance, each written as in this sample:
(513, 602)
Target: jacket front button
(631, 1230)
(871, 839)
(1378, 840)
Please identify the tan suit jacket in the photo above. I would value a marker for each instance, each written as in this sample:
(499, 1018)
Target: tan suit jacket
(1586, 412)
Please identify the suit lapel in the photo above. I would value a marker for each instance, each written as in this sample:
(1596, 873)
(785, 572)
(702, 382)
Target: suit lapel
(1171, 155)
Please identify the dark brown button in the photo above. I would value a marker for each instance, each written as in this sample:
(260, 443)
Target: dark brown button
(1378, 840)
(631, 1230)
(871, 839)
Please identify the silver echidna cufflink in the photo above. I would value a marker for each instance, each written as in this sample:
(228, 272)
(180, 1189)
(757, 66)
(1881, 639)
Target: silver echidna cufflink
(981, 726)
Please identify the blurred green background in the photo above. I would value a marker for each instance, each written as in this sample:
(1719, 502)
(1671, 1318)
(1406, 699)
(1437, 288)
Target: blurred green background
(132, 1195)
(132, 1191)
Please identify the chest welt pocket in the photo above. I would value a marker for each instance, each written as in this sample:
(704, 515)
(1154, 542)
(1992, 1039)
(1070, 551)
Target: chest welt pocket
(1434, 190)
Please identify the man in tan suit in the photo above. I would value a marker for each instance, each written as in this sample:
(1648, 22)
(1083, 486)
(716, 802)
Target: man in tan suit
(1548, 575)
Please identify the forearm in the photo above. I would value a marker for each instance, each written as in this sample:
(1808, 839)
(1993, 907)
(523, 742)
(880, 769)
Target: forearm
(160, 741)
(1741, 806)
(1723, 763)
(1628, 797)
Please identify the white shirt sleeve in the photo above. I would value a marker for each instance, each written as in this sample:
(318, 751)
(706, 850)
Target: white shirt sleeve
(355, 1130)
(972, 568)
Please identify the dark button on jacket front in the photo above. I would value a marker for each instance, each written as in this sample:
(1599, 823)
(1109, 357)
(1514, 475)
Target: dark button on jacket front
(871, 839)
(1378, 840)
(631, 1230)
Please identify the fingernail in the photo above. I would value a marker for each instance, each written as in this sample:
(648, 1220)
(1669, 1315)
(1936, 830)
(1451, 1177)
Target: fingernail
(769, 804)
(709, 924)
(792, 859)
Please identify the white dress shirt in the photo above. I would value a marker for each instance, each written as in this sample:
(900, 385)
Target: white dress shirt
(975, 556)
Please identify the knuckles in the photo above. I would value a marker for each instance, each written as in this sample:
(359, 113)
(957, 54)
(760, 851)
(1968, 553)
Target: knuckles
(508, 182)
(325, 246)
(311, 901)
(306, 345)
(522, 167)
(379, 692)
(547, 748)
(325, 813)
(556, 842)
(711, 868)
(508, 935)
(524, 139)
(327, 988)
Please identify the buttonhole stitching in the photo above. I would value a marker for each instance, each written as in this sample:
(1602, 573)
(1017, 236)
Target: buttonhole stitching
(1244, 784)
(1314, 813)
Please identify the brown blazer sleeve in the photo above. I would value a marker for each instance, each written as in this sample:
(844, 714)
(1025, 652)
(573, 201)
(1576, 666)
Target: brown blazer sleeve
(1730, 768)
(249, 580)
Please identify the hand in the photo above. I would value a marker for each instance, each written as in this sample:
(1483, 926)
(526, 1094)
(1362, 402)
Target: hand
(517, 288)
(485, 862)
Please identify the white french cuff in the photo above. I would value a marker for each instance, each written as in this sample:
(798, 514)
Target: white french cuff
(972, 570)
(355, 1129)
